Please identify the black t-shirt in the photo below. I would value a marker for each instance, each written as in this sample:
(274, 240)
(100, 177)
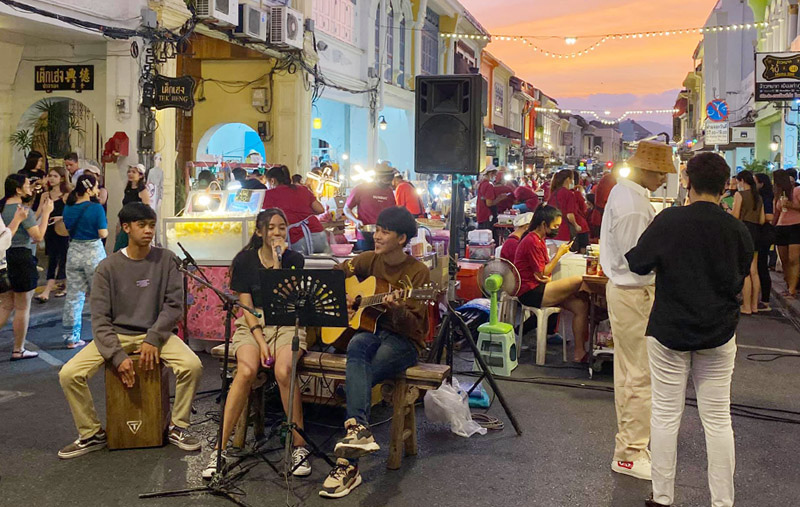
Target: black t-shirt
(253, 184)
(701, 256)
(245, 268)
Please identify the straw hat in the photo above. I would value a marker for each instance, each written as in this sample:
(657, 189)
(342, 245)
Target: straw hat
(653, 156)
(523, 219)
(383, 169)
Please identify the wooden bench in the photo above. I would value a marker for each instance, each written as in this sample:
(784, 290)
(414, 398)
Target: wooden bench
(402, 392)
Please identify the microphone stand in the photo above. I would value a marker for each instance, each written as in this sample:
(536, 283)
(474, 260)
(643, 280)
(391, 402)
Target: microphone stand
(219, 483)
(188, 260)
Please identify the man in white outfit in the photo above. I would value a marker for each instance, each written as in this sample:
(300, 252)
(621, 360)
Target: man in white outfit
(630, 297)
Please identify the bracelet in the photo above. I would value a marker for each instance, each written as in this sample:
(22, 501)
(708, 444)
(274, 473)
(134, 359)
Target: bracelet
(257, 326)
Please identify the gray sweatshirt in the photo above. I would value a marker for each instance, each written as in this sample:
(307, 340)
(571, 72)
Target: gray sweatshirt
(133, 297)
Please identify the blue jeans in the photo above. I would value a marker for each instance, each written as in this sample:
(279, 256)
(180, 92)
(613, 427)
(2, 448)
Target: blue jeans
(82, 260)
(371, 359)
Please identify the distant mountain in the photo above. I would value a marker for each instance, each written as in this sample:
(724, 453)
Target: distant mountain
(633, 131)
(655, 127)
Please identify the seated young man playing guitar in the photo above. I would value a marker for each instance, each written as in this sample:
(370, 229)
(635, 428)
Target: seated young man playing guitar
(137, 300)
(393, 348)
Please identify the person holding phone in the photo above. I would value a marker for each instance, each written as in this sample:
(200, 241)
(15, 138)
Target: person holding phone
(256, 345)
(535, 268)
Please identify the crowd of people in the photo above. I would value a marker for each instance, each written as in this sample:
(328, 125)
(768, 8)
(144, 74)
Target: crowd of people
(673, 306)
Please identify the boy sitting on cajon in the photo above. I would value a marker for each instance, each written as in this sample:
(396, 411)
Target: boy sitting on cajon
(136, 299)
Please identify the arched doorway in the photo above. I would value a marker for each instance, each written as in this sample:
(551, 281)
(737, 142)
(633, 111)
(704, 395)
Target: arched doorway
(56, 126)
(231, 141)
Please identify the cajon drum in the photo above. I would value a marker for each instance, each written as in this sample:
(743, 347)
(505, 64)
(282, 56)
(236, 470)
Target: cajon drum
(137, 417)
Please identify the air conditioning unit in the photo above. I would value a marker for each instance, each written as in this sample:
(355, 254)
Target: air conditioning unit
(252, 24)
(218, 12)
(286, 27)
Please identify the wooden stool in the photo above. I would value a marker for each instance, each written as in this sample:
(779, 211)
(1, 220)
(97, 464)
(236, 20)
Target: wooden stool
(137, 417)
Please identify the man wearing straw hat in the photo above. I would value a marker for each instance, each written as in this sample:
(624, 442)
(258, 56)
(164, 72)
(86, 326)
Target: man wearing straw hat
(630, 297)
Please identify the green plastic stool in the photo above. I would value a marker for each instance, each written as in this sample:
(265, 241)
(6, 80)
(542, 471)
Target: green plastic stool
(498, 346)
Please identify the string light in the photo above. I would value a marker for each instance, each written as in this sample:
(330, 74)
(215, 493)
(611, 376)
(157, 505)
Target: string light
(604, 120)
(572, 40)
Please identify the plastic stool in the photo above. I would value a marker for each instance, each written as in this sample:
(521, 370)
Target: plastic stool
(498, 347)
(542, 316)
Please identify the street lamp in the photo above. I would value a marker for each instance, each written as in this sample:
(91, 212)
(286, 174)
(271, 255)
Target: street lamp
(383, 125)
(775, 145)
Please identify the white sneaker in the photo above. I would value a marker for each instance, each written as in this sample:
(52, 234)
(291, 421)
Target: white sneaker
(639, 468)
(211, 468)
(301, 468)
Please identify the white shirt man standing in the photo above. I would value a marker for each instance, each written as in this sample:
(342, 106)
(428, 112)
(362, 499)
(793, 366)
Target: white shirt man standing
(630, 299)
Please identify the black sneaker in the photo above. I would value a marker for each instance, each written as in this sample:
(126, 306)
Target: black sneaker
(80, 447)
(343, 479)
(181, 437)
(358, 441)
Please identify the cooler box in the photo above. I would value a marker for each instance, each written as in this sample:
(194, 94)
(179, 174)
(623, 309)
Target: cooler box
(468, 276)
(571, 264)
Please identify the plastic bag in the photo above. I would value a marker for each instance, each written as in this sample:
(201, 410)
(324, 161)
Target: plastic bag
(449, 404)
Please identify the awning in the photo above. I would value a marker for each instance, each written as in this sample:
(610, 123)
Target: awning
(506, 132)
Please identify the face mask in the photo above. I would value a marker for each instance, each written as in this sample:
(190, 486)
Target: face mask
(552, 233)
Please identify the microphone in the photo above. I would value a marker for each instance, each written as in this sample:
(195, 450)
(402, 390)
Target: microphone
(279, 252)
(188, 256)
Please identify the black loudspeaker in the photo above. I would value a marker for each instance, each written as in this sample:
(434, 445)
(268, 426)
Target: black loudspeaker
(449, 124)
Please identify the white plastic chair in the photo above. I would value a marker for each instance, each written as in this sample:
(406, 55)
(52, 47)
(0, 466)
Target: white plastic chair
(542, 316)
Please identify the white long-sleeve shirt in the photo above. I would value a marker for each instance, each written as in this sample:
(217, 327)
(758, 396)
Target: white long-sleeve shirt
(627, 214)
(5, 242)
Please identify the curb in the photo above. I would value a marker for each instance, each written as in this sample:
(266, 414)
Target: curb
(778, 285)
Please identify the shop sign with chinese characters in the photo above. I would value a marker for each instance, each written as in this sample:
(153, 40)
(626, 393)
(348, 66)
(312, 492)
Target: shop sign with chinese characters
(76, 78)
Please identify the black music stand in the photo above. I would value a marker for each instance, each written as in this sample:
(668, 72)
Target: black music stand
(308, 298)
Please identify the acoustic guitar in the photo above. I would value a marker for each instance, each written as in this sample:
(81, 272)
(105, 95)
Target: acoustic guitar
(368, 296)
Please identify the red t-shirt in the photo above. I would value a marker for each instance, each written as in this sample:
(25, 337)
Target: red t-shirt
(601, 192)
(485, 191)
(406, 196)
(506, 203)
(296, 203)
(509, 249)
(528, 196)
(580, 200)
(565, 201)
(531, 257)
(370, 199)
(546, 190)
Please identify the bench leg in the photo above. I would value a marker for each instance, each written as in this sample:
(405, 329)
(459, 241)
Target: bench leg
(411, 426)
(398, 425)
(257, 395)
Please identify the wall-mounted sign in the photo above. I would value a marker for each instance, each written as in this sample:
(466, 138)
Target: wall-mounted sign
(174, 92)
(717, 133)
(51, 78)
(717, 110)
(777, 76)
(743, 135)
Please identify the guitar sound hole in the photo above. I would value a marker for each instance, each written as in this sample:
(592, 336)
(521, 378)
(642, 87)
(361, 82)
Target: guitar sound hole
(357, 303)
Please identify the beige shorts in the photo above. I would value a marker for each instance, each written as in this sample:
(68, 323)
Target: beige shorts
(277, 337)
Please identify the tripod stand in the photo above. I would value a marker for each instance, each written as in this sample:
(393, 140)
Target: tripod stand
(309, 298)
(444, 339)
(219, 484)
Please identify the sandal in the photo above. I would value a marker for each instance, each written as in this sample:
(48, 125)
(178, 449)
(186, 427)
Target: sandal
(40, 299)
(60, 293)
(23, 354)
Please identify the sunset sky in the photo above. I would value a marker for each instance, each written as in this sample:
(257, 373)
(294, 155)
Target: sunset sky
(618, 75)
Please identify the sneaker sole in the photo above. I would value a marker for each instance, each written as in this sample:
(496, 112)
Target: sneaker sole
(631, 473)
(81, 452)
(355, 451)
(186, 447)
(302, 472)
(344, 492)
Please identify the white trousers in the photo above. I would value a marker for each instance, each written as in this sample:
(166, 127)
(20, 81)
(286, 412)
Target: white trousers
(711, 372)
